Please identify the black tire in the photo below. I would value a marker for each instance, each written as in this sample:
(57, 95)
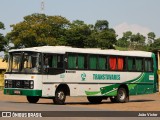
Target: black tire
(113, 99)
(94, 100)
(32, 99)
(104, 98)
(60, 97)
(122, 95)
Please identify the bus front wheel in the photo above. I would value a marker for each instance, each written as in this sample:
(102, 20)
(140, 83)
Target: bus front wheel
(32, 99)
(94, 100)
(60, 97)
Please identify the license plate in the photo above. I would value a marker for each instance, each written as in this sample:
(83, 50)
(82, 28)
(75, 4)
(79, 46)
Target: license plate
(17, 92)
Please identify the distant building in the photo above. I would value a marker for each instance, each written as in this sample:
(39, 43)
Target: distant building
(3, 67)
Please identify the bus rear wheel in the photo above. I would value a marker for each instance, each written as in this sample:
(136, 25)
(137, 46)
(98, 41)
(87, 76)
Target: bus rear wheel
(32, 99)
(94, 100)
(60, 97)
(122, 95)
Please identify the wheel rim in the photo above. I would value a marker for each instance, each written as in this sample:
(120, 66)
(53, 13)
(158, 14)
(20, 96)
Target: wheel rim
(122, 95)
(61, 95)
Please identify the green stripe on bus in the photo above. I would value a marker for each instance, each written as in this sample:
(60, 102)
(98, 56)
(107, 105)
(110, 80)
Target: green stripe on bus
(23, 92)
(111, 90)
(92, 92)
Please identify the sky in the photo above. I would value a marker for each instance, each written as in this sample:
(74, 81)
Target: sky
(123, 15)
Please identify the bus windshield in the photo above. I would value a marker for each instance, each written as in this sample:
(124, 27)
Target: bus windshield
(24, 62)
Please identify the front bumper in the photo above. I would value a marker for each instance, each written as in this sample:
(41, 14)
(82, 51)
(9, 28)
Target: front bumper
(25, 92)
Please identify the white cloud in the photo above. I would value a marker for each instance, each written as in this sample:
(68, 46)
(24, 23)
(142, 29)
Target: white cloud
(134, 28)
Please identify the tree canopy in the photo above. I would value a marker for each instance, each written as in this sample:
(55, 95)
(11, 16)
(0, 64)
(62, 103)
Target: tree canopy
(41, 29)
(131, 41)
(2, 38)
(38, 30)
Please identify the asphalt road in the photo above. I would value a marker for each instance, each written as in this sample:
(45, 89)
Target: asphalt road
(25, 106)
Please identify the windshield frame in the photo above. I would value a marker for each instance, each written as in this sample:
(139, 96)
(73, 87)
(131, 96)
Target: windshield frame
(21, 63)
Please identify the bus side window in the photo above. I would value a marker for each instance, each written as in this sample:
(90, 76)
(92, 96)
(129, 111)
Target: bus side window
(82, 61)
(148, 65)
(54, 61)
(113, 63)
(93, 61)
(102, 63)
(120, 63)
(72, 61)
(60, 61)
(46, 61)
(131, 63)
(139, 64)
(57, 61)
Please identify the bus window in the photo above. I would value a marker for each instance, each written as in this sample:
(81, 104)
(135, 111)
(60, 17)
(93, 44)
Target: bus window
(148, 65)
(120, 65)
(81, 61)
(53, 61)
(16, 62)
(30, 63)
(46, 64)
(57, 61)
(112, 63)
(77, 61)
(102, 63)
(131, 63)
(139, 64)
(72, 61)
(93, 62)
(60, 61)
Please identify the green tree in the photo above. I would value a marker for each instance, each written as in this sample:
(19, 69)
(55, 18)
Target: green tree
(39, 30)
(78, 33)
(137, 41)
(101, 25)
(151, 37)
(125, 41)
(106, 39)
(102, 36)
(91, 41)
(156, 44)
(122, 42)
(132, 41)
(2, 38)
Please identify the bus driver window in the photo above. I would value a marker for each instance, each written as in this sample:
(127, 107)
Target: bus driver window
(46, 65)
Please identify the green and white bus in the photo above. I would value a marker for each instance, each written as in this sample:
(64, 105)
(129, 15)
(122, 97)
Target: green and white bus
(55, 72)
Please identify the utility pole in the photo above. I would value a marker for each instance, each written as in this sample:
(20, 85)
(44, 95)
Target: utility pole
(42, 6)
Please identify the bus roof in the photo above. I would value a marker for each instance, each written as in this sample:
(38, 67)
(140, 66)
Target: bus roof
(64, 49)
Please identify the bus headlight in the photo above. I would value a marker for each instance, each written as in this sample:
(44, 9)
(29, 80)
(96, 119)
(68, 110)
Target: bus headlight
(6, 83)
(31, 84)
